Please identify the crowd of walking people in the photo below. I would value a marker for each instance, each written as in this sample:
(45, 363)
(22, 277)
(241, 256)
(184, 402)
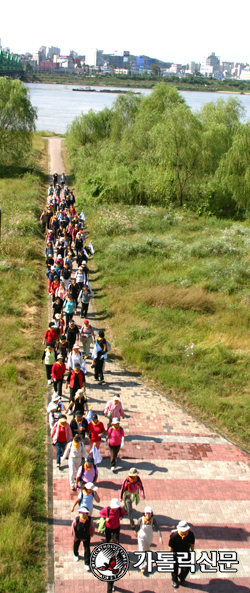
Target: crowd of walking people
(75, 427)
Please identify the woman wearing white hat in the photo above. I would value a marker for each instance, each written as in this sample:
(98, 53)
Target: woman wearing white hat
(86, 497)
(55, 409)
(182, 539)
(145, 534)
(82, 530)
(114, 409)
(113, 514)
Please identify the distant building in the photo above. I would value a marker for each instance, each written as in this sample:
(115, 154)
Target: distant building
(115, 60)
(192, 67)
(51, 51)
(210, 66)
(143, 63)
(245, 74)
(94, 57)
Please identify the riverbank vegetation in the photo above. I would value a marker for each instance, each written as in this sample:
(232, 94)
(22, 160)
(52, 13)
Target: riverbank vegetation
(169, 277)
(22, 311)
(165, 280)
(155, 150)
(191, 83)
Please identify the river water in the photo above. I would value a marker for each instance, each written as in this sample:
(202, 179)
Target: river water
(58, 105)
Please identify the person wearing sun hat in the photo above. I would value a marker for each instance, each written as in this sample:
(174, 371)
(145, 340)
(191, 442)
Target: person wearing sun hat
(182, 539)
(75, 356)
(55, 409)
(130, 492)
(82, 530)
(114, 409)
(86, 497)
(113, 514)
(115, 437)
(75, 451)
(145, 534)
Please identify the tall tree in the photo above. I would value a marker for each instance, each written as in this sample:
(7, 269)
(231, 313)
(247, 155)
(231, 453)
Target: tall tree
(17, 121)
(233, 173)
(176, 145)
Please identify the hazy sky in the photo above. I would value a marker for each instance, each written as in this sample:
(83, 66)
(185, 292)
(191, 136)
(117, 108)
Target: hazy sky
(176, 32)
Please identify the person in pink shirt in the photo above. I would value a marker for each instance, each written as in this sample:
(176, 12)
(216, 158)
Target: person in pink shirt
(114, 409)
(61, 292)
(115, 437)
(113, 514)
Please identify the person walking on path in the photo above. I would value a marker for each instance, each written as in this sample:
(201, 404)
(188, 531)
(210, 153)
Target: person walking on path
(49, 358)
(84, 298)
(72, 334)
(50, 336)
(95, 430)
(75, 451)
(88, 472)
(69, 306)
(63, 346)
(55, 409)
(86, 335)
(113, 514)
(86, 497)
(57, 373)
(61, 435)
(76, 356)
(182, 539)
(114, 409)
(79, 402)
(82, 530)
(99, 353)
(115, 437)
(130, 492)
(144, 529)
(79, 425)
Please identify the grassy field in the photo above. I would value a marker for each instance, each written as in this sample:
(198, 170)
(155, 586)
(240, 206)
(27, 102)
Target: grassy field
(22, 446)
(165, 281)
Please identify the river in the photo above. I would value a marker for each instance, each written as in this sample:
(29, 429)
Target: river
(58, 105)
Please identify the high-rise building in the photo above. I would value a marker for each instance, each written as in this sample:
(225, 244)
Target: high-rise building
(211, 66)
(51, 51)
(94, 57)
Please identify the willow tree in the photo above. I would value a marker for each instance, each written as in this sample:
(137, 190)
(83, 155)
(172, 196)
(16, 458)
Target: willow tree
(175, 144)
(17, 122)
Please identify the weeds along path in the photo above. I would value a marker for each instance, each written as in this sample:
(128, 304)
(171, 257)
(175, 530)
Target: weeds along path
(188, 472)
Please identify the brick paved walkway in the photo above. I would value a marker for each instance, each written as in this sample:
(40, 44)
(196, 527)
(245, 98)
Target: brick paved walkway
(188, 473)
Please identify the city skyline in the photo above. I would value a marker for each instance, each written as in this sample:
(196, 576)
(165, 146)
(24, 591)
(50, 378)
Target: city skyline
(156, 31)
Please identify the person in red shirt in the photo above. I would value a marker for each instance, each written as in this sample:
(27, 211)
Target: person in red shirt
(54, 286)
(50, 335)
(95, 430)
(115, 437)
(113, 514)
(57, 372)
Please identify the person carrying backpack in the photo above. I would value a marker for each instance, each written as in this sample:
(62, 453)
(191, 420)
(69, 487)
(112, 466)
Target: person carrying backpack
(87, 472)
(112, 515)
(82, 530)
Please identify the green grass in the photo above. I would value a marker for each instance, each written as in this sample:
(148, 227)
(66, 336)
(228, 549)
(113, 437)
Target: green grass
(166, 281)
(22, 449)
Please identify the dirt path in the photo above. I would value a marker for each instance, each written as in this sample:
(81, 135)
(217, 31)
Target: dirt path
(189, 473)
